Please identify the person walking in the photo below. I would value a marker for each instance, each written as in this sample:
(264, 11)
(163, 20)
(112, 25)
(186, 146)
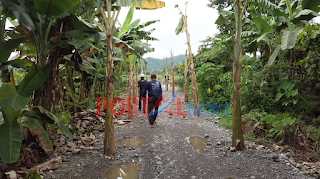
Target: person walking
(154, 98)
(141, 86)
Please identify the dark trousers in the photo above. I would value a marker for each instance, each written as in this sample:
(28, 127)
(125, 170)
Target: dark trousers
(143, 99)
(153, 105)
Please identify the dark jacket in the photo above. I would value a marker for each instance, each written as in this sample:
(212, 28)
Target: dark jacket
(142, 84)
(154, 89)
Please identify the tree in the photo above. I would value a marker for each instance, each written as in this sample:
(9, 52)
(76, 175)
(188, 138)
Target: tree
(237, 134)
(186, 68)
(237, 129)
(182, 26)
(172, 73)
(108, 23)
(165, 69)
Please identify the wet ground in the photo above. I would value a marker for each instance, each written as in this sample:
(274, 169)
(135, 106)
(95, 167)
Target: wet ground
(178, 147)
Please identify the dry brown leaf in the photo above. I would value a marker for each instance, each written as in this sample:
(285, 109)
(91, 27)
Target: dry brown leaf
(57, 144)
(49, 165)
(78, 124)
(85, 123)
(118, 45)
(88, 140)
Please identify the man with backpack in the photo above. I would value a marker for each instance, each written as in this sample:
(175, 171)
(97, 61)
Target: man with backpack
(154, 98)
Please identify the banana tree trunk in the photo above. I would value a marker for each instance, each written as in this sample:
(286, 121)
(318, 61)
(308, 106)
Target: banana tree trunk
(237, 130)
(135, 83)
(70, 83)
(193, 74)
(109, 141)
(167, 81)
(131, 91)
(172, 71)
(186, 68)
(83, 89)
(108, 28)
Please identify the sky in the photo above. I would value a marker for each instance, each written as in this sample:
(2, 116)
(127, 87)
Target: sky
(201, 23)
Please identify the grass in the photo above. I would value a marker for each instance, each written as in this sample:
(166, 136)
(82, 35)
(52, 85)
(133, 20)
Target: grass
(65, 117)
(312, 132)
(225, 121)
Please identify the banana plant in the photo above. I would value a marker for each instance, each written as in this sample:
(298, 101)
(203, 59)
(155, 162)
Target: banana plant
(182, 26)
(36, 19)
(131, 59)
(288, 16)
(108, 15)
(13, 104)
(286, 24)
(172, 72)
(237, 129)
(165, 69)
(186, 69)
(238, 15)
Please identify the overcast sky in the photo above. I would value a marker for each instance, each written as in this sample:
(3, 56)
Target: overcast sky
(201, 23)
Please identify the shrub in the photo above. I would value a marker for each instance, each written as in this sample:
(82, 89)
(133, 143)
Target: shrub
(279, 125)
(214, 85)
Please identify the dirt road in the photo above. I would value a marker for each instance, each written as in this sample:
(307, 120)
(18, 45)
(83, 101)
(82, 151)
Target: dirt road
(166, 152)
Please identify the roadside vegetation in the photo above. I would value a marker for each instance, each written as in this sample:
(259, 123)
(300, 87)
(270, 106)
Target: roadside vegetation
(280, 75)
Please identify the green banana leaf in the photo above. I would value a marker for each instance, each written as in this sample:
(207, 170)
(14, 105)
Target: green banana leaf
(60, 124)
(10, 113)
(71, 93)
(133, 25)
(311, 4)
(18, 63)
(262, 25)
(88, 69)
(81, 45)
(36, 115)
(16, 101)
(180, 26)
(127, 22)
(33, 80)
(274, 56)
(10, 141)
(54, 8)
(21, 13)
(289, 38)
(7, 90)
(221, 20)
(141, 26)
(7, 47)
(78, 34)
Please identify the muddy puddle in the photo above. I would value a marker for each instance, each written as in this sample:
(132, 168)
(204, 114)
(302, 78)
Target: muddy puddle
(132, 142)
(199, 144)
(125, 171)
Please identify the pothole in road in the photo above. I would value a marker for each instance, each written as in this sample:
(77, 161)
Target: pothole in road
(132, 142)
(199, 144)
(125, 171)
